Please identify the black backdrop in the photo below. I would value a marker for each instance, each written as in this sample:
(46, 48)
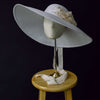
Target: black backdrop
(21, 57)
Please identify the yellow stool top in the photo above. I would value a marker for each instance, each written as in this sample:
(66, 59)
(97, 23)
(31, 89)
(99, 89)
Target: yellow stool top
(40, 84)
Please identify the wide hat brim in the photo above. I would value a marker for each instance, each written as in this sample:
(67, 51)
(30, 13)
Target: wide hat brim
(30, 20)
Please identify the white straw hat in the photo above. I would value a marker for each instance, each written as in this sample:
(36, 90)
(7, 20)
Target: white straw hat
(30, 20)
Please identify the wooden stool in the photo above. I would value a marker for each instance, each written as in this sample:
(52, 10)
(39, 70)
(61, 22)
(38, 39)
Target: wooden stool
(43, 87)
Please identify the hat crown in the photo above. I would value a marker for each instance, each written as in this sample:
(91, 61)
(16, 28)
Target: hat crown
(61, 12)
(55, 9)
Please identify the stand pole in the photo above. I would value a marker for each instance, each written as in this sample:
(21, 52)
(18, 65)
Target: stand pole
(55, 64)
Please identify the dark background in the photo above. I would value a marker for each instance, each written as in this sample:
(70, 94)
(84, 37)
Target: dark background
(21, 57)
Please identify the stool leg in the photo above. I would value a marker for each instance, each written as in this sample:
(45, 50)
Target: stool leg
(68, 94)
(42, 95)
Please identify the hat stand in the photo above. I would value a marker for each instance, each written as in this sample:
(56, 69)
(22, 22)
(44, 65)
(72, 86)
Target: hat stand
(65, 87)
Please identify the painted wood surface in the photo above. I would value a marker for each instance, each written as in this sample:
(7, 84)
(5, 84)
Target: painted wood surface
(40, 84)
